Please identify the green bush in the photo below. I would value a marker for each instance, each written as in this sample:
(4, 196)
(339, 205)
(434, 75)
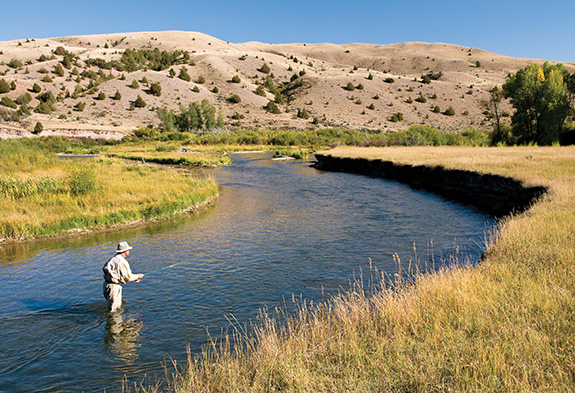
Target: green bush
(260, 91)
(134, 84)
(396, 117)
(7, 101)
(350, 86)
(449, 111)
(156, 89)
(47, 96)
(234, 99)
(236, 79)
(303, 113)
(264, 68)
(183, 75)
(15, 63)
(272, 107)
(24, 99)
(38, 128)
(80, 106)
(58, 70)
(45, 108)
(4, 86)
(139, 102)
(83, 181)
(36, 88)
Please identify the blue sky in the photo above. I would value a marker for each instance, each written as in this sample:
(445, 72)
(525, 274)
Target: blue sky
(518, 28)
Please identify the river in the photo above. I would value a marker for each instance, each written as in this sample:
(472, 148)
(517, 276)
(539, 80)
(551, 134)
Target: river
(280, 228)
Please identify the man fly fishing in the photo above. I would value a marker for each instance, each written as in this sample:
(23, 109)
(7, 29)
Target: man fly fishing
(117, 272)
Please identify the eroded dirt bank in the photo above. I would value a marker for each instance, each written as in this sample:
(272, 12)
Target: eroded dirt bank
(493, 194)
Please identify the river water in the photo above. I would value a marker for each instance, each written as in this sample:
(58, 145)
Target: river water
(280, 228)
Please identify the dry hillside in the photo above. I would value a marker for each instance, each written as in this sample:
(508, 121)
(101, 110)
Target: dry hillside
(386, 79)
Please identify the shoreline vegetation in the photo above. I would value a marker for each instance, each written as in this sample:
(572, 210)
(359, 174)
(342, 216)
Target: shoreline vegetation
(46, 196)
(504, 325)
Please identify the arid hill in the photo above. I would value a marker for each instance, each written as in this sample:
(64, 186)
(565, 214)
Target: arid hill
(327, 85)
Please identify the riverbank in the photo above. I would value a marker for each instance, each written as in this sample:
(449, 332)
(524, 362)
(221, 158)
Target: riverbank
(493, 194)
(44, 196)
(504, 325)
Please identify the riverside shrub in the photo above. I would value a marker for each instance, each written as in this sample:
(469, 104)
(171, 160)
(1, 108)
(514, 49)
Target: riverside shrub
(83, 181)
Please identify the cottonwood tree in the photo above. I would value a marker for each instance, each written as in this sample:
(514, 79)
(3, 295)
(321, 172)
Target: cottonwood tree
(492, 105)
(539, 96)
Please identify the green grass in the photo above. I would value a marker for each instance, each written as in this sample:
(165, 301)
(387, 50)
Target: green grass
(506, 325)
(42, 195)
(322, 138)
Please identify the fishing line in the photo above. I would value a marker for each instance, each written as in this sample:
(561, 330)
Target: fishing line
(165, 267)
(176, 264)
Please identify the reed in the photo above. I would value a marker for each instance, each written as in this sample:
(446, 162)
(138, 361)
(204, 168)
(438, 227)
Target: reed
(43, 195)
(505, 325)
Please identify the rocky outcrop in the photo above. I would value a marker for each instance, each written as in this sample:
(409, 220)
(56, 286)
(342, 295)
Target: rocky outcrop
(493, 194)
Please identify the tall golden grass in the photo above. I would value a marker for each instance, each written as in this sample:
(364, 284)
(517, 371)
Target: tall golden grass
(47, 203)
(506, 325)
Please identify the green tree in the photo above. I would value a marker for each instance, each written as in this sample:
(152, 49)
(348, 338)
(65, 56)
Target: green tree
(4, 86)
(139, 102)
(236, 79)
(208, 114)
(492, 106)
(234, 99)
(58, 70)
(38, 128)
(156, 89)
(540, 98)
(264, 68)
(183, 75)
(167, 119)
(7, 101)
(36, 88)
(260, 91)
(272, 107)
(449, 111)
(24, 99)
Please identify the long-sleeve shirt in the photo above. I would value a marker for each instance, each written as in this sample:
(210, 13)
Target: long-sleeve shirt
(117, 270)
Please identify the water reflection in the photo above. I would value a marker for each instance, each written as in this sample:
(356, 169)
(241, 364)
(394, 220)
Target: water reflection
(122, 335)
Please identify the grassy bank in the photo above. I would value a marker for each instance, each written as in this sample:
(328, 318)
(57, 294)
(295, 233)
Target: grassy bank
(507, 325)
(42, 195)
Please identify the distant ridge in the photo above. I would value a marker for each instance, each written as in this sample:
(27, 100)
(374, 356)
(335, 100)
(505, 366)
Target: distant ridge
(351, 85)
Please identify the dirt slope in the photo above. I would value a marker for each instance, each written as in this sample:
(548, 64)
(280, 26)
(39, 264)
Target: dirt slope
(463, 77)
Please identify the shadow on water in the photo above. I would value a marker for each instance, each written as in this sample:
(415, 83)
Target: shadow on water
(279, 229)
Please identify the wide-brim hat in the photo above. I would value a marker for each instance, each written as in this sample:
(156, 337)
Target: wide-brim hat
(123, 247)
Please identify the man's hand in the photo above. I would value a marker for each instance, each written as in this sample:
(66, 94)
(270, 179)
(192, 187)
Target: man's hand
(140, 276)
